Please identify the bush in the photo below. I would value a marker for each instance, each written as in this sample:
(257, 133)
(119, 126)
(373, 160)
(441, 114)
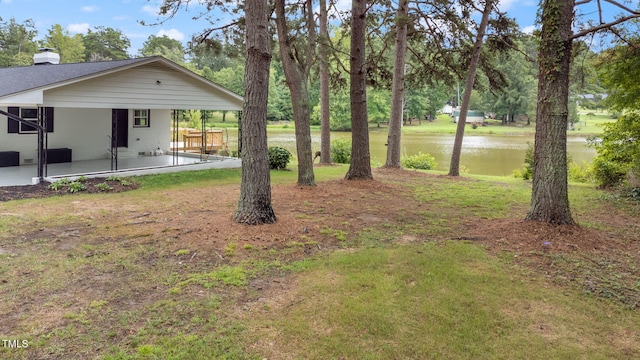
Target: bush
(76, 186)
(617, 149)
(608, 172)
(581, 173)
(422, 161)
(278, 157)
(341, 151)
(526, 173)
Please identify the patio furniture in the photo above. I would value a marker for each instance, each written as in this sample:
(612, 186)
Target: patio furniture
(214, 142)
(61, 155)
(9, 158)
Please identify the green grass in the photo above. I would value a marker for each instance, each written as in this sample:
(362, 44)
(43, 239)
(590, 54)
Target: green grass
(483, 199)
(443, 125)
(145, 294)
(438, 301)
(588, 124)
(201, 177)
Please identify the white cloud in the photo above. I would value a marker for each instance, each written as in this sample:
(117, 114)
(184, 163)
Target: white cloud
(91, 8)
(172, 34)
(504, 5)
(5, 1)
(78, 28)
(528, 29)
(152, 10)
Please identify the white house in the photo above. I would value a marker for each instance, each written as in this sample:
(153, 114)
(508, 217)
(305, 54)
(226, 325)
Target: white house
(92, 110)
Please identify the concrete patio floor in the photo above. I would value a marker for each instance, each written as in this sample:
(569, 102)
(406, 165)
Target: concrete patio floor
(140, 165)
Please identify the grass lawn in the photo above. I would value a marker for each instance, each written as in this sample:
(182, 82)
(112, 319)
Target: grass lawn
(412, 265)
(588, 125)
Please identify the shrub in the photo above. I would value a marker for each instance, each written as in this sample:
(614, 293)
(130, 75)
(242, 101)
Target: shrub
(421, 161)
(59, 184)
(104, 187)
(76, 186)
(617, 149)
(608, 172)
(278, 157)
(581, 173)
(526, 173)
(341, 151)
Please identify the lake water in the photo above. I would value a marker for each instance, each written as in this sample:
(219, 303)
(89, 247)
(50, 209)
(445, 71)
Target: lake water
(483, 155)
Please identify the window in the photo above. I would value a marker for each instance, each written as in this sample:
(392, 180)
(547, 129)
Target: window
(141, 118)
(31, 115)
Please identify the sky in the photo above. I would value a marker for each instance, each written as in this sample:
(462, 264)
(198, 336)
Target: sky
(77, 16)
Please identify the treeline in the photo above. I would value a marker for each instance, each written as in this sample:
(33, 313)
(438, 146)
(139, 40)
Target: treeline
(220, 62)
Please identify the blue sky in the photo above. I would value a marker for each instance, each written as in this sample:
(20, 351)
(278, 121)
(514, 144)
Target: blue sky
(77, 16)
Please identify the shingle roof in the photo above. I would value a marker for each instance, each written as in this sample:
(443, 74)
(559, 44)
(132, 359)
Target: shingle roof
(18, 79)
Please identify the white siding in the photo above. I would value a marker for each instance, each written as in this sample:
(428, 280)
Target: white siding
(139, 88)
(86, 132)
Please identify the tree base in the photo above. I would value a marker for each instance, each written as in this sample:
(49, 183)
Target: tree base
(255, 217)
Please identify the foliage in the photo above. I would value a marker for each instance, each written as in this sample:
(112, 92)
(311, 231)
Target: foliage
(279, 157)
(378, 105)
(193, 118)
(105, 43)
(582, 173)
(609, 173)
(77, 186)
(618, 150)
(59, 184)
(620, 70)
(230, 77)
(163, 45)
(71, 186)
(422, 161)
(17, 42)
(341, 151)
(526, 173)
(104, 187)
(69, 47)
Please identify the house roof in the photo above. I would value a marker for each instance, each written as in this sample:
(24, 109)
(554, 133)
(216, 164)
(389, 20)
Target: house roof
(23, 78)
(15, 81)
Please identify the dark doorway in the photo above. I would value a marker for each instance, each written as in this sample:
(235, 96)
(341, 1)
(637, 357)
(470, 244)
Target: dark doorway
(120, 127)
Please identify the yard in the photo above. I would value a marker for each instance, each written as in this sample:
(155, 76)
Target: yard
(411, 265)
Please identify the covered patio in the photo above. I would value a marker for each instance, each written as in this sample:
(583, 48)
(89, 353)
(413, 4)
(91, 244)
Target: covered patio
(141, 165)
(87, 118)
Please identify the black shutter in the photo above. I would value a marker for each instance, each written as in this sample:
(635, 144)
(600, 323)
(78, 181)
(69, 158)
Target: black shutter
(48, 116)
(148, 117)
(13, 127)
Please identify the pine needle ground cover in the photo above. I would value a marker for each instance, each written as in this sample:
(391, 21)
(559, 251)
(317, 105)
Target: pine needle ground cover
(410, 265)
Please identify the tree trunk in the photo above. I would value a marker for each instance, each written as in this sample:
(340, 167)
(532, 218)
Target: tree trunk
(397, 91)
(298, 86)
(325, 121)
(549, 197)
(454, 169)
(239, 132)
(360, 167)
(254, 204)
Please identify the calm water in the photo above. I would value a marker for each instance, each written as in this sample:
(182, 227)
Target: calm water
(484, 155)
